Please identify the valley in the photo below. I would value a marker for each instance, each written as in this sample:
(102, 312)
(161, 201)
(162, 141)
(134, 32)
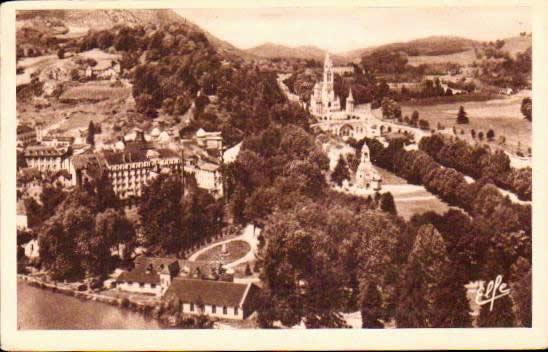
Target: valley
(208, 186)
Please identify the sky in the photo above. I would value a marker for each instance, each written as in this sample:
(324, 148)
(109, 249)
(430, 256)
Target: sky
(342, 29)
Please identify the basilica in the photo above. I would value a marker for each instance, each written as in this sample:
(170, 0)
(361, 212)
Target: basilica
(323, 102)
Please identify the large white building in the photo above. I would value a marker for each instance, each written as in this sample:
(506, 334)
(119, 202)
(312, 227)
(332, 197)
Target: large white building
(48, 159)
(326, 107)
(323, 100)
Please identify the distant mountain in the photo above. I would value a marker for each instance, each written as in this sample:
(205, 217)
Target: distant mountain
(271, 50)
(78, 22)
(430, 46)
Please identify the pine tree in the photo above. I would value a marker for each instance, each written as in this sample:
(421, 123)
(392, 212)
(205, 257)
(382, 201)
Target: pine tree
(371, 309)
(451, 307)
(91, 134)
(412, 307)
(341, 172)
(424, 274)
(461, 116)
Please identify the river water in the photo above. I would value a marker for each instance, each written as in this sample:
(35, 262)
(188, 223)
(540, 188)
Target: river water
(43, 309)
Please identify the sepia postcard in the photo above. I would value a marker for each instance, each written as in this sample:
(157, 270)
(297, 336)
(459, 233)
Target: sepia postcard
(206, 175)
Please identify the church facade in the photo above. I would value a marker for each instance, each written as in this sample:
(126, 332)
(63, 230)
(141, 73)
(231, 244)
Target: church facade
(326, 107)
(323, 102)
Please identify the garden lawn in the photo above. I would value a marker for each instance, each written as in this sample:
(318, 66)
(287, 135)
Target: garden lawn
(236, 250)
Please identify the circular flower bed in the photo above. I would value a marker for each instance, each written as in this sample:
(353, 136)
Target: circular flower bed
(236, 249)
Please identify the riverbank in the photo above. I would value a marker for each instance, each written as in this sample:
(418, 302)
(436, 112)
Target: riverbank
(164, 314)
(92, 296)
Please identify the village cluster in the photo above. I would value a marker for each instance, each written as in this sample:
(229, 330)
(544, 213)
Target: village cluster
(140, 156)
(130, 163)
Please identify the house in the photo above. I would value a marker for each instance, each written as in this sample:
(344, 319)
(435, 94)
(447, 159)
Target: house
(219, 299)
(149, 276)
(32, 249)
(153, 275)
(26, 134)
(209, 140)
(342, 70)
(63, 177)
(57, 140)
(49, 87)
(208, 174)
(22, 220)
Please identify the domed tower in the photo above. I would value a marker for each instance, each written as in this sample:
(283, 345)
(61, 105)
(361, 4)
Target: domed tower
(350, 103)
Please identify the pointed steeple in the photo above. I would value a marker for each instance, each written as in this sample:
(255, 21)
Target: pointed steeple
(328, 62)
(350, 97)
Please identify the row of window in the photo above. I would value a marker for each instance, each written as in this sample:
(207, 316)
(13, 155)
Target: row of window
(214, 309)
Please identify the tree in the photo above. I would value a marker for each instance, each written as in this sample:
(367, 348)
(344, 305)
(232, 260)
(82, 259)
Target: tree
(450, 305)
(248, 270)
(412, 306)
(480, 136)
(521, 291)
(116, 230)
(461, 116)
(341, 172)
(490, 135)
(90, 139)
(424, 125)
(387, 203)
(501, 316)
(424, 273)
(160, 214)
(371, 311)
(415, 118)
(473, 133)
(527, 108)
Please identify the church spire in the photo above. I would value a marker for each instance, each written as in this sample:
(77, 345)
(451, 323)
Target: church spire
(328, 62)
(350, 97)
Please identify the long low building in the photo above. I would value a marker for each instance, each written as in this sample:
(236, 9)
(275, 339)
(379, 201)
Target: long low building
(218, 299)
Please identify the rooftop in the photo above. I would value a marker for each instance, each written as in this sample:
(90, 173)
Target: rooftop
(24, 129)
(134, 155)
(40, 150)
(209, 292)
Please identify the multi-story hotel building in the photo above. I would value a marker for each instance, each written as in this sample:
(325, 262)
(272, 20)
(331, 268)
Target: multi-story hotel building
(47, 158)
(130, 170)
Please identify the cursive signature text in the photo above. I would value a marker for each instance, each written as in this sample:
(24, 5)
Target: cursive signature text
(495, 290)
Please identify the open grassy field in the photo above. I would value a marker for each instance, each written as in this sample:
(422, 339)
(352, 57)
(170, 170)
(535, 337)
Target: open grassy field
(407, 209)
(32, 64)
(502, 115)
(463, 58)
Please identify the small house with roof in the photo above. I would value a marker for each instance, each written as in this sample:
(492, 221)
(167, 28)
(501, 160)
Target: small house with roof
(209, 140)
(218, 299)
(149, 276)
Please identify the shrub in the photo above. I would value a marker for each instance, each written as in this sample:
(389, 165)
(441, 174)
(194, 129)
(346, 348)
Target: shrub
(124, 303)
(248, 270)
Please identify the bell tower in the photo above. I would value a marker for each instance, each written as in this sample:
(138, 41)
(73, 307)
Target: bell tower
(350, 103)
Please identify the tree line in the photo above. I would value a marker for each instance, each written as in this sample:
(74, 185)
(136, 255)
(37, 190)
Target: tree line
(478, 161)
